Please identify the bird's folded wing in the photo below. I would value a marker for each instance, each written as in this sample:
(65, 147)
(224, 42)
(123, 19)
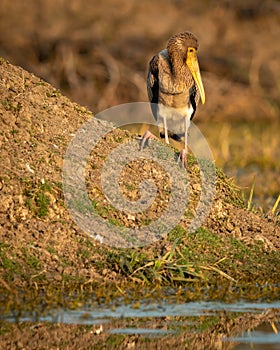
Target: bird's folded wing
(152, 80)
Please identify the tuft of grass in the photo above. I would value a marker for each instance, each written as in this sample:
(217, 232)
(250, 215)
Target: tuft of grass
(31, 260)
(51, 250)
(115, 340)
(249, 204)
(53, 93)
(180, 263)
(176, 233)
(9, 262)
(231, 192)
(201, 256)
(11, 106)
(273, 210)
(14, 131)
(115, 222)
(37, 198)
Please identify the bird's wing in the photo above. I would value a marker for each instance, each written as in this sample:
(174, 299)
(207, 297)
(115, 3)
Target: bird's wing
(153, 84)
(194, 98)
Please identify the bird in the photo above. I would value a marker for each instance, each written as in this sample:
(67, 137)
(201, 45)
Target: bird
(175, 88)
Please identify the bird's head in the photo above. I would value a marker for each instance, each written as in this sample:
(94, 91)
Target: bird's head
(184, 47)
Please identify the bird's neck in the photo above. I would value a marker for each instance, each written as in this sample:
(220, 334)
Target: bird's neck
(177, 63)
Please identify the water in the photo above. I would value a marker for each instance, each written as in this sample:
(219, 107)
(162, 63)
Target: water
(259, 327)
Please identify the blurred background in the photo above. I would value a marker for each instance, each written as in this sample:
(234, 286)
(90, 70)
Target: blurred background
(97, 53)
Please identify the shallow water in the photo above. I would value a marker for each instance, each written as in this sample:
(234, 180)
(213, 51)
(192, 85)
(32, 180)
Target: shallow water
(154, 319)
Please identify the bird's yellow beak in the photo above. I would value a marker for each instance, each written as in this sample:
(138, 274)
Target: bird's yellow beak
(192, 63)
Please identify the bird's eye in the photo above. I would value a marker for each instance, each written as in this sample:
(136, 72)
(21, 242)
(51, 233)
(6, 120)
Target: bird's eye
(191, 49)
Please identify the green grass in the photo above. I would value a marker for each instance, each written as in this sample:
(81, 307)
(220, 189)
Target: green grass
(84, 253)
(51, 250)
(21, 265)
(30, 259)
(9, 262)
(200, 256)
(114, 340)
(10, 105)
(204, 323)
(115, 222)
(176, 232)
(177, 265)
(37, 198)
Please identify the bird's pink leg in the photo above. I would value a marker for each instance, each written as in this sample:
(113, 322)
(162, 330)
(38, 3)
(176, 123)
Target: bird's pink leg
(182, 157)
(165, 130)
(146, 137)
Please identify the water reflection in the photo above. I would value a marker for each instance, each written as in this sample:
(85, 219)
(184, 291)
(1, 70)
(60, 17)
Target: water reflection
(262, 338)
(251, 323)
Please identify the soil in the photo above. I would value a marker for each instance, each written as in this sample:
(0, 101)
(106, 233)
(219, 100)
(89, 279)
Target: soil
(40, 243)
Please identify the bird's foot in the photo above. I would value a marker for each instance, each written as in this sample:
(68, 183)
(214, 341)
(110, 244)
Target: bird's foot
(146, 138)
(182, 158)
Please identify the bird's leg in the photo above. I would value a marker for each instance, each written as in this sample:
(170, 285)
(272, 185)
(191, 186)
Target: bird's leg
(146, 137)
(165, 130)
(183, 154)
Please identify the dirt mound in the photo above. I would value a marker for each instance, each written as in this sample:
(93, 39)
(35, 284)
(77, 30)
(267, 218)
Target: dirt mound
(37, 123)
(44, 255)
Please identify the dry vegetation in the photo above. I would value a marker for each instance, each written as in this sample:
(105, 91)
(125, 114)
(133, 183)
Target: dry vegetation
(97, 53)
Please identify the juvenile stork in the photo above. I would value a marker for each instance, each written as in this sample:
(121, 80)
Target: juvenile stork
(174, 89)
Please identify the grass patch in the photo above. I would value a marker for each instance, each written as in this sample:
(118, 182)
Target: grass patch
(37, 198)
(176, 266)
(230, 191)
(115, 340)
(31, 260)
(11, 106)
(9, 262)
(175, 233)
(189, 258)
